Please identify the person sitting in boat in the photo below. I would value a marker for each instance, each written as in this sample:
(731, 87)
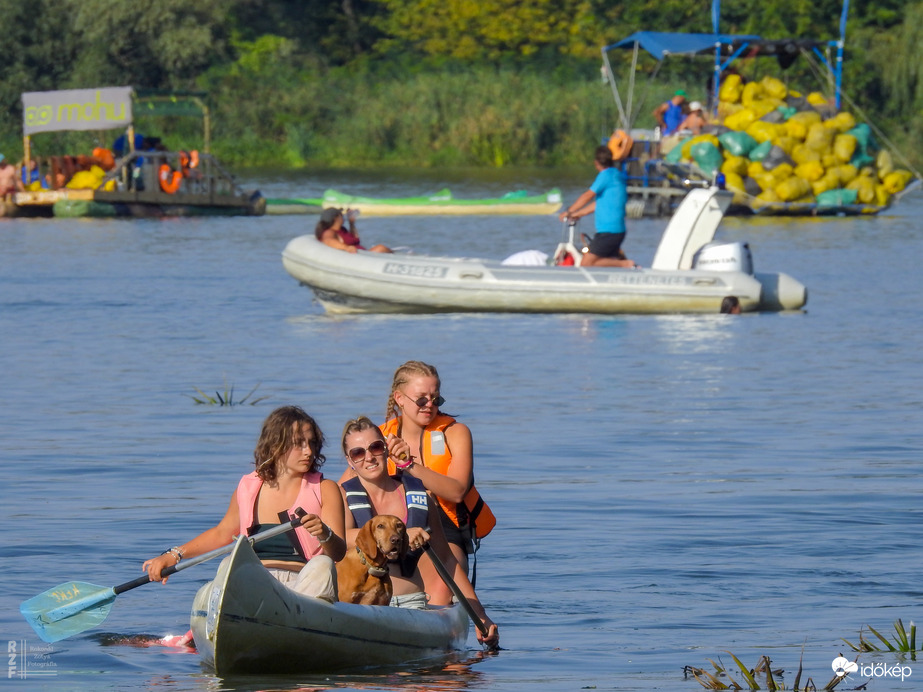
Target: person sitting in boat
(373, 491)
(9, 181)
(670, 114)
(695, 122)
(288, 458)
(330, 231)
(607, 197)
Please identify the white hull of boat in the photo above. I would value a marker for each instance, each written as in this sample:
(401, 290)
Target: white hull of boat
(245, 621)
(376, 282)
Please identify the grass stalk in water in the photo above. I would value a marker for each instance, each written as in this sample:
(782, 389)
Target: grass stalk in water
(227, 397)
(904, 641)
(760, 677)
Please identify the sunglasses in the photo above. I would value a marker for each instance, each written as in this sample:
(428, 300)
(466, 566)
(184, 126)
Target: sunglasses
(437, 401)
(375, 448)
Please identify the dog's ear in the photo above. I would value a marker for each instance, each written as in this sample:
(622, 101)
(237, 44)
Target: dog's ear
(366, 542)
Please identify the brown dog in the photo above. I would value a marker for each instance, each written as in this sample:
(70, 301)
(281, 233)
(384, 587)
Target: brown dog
(362, 576)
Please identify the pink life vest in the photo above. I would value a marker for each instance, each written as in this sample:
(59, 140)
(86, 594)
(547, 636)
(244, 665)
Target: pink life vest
(308, 499)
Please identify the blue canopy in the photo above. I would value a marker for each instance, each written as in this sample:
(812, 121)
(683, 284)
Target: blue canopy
(662, 44)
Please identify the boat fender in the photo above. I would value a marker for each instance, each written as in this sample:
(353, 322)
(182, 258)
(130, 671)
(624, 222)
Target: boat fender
(169, 179)
(620, 144)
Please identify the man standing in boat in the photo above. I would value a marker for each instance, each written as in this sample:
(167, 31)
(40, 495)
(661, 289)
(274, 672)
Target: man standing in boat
(607, 197)
(670, 114)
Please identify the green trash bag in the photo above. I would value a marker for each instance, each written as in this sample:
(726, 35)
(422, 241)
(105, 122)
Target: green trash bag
(840, 197)
(707, 157)
(737, 143)
(758, 153)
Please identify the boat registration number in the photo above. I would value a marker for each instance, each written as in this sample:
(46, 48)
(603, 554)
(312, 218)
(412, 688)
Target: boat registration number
(415, 270)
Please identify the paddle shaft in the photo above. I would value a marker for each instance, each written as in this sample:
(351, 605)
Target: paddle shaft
(204, 557)
(447, 578)
(69, 609)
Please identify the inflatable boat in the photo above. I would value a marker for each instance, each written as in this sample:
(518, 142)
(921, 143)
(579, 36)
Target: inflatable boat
(690, 273)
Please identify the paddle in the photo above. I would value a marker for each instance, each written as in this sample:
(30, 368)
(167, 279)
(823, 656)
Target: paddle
(447, 578)
(76, 606)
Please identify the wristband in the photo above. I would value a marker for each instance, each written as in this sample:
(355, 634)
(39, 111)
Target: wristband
(329, 535)
(407, 464)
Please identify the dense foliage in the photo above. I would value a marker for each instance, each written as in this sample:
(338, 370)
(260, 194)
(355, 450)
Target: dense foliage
(426, 82)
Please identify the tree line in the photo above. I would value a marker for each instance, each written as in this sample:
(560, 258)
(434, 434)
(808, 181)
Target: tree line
(423, 82)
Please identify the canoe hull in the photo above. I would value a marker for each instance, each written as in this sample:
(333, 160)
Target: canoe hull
(247, 622)
(375, 282)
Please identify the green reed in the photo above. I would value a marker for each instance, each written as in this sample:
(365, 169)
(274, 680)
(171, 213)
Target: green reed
(904, 641)
(226, 397)
(761, 677)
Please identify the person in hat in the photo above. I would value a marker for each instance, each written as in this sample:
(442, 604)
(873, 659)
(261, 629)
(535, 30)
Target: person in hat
(9, 182)
(695, 122)
(330, 231)
(671, 113)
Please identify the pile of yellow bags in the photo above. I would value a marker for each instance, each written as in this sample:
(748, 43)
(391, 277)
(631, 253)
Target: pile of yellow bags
(781, 147)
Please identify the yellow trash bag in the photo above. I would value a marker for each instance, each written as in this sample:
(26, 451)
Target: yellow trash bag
(797, 125)
(735, 184)
(802, 154)
(819, 138)
(830, 181)
(755, 168)
(846, 173)
(884, 162)
(792, 188)
(765, 197)
(864, 185)
(786, 143)
(844, 147)
(841, 122)
(730, 89)
(740, 120)
(811, 171)
(829, 160)
(84, 180)
(762, 131)
(882, 196)
(774, 87)
(815, 98)
(782, 172)
(726, 109)
(897, 180)
(765, 180)
(735, 165)
(753, 91)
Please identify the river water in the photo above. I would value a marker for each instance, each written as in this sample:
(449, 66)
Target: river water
(669, 488)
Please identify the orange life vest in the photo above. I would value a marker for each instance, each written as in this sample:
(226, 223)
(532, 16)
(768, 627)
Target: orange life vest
(169, 179)
(308, 499)
(436, 455)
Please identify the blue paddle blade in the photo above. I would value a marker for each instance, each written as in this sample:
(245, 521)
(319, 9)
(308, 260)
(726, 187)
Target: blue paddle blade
(67, 609)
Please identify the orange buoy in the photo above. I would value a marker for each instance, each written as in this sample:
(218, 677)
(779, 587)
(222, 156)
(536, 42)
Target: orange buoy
(169, 179)
(620, 144)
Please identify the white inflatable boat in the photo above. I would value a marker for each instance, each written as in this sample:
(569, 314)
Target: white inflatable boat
(690, 274)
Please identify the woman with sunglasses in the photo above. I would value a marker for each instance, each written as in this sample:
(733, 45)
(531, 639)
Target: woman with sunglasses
(372, 491)
(288, 458)
(440, 455)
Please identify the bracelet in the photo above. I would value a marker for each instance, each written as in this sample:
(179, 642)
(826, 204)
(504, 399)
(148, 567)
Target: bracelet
(407, 464)
(176, 552)
(329, 535)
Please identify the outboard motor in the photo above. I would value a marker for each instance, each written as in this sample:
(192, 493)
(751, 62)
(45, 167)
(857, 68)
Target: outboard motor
(724, 257)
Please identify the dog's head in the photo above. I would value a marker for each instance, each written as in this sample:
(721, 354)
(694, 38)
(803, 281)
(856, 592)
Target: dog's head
(383, 539)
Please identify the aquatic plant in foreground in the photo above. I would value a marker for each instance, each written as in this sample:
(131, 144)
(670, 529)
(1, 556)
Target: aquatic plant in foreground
(753, 679)
(227, 398)
(903, 641)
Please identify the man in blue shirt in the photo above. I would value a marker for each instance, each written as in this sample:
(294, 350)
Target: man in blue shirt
(670, 114)
(606, 197)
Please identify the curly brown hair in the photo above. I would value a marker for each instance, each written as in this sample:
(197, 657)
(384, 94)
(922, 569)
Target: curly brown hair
(403, 375)
(278, 437)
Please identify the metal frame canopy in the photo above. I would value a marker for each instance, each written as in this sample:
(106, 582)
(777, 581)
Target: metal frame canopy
(106, 108)
(726, 48)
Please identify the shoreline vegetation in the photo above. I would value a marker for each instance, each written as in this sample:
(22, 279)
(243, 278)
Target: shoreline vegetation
(372, 83)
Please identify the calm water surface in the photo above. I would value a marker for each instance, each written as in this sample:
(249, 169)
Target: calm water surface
(669, 488)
